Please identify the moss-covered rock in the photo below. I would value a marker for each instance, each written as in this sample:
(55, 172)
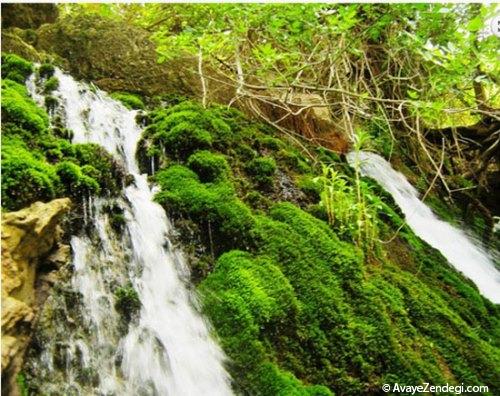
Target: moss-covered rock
(50, 85)
(209, 166)
(46, 70)
(37, 163)
(127, 301)
(26, 176)
(129, 100)
(262, 169)
(28, 16)
(19, 109)
(15, 68)
(295, 305)
(12, 42)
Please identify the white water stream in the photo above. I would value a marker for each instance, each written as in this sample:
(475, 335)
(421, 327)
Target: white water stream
(462, 252)
(167, 349)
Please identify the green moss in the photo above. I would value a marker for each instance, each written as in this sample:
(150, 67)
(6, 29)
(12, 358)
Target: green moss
(51, 103)
(15, 68)
(295, 305)
(310, 187)
(275, 382)
(224, 216)
(129, 100)
(19, 109)
(270, 143)
(75, 181)
(127, 301)
(22, 384)
(262, 169)
(246, 296)
(37, 164)
(118, 221)
(51, 84)
(293, 160)
(46, 70)
(209, 166)
(26, 176)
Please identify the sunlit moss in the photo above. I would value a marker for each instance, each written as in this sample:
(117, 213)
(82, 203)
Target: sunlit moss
(294, 304)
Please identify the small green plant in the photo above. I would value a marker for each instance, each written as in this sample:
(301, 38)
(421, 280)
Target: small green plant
(22, 384)
(127, 301)
(347, 208)
(51, 84)
(46, 70)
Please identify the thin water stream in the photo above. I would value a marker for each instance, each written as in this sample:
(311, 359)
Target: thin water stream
(463, 252)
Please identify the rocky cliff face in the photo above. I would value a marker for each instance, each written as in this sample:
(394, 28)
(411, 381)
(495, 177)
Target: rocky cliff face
(31, 245)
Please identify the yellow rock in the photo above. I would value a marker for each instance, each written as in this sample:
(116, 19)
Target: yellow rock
(28, 235)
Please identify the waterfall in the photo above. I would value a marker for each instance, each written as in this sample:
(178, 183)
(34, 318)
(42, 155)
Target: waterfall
(462, 251)
(166, 347)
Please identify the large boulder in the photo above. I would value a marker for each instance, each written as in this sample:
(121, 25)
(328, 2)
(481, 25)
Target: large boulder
(13, 42)
(115, 55)
(30, 237)
(28, 16)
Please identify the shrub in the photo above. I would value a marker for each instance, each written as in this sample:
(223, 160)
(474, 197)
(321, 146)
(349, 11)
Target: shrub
(209, 167)
(15, 68)
(129, 100)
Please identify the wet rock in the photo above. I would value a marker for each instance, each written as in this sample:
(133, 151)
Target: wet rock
(28, 236)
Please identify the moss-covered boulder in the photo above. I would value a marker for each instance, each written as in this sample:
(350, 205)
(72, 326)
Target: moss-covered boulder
(38, 162)
(12, 42)
(298, 308)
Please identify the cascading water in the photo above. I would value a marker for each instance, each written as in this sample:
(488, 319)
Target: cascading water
(461, 251)
(166, 348)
